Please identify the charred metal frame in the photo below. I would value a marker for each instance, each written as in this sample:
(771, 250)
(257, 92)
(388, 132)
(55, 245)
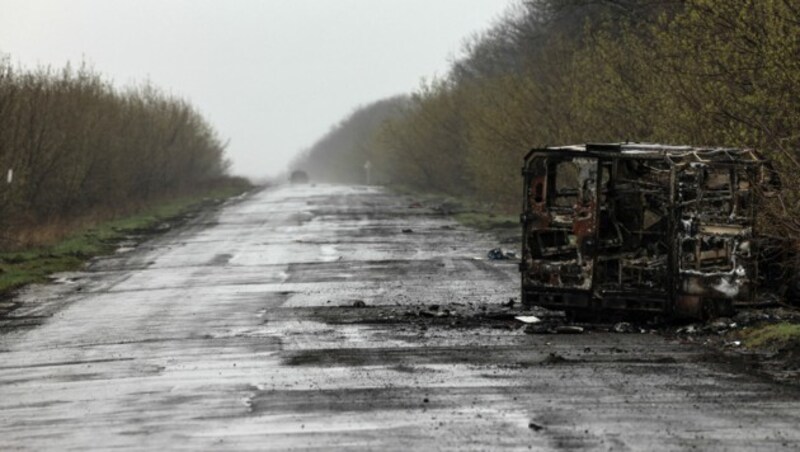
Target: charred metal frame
(640, 228)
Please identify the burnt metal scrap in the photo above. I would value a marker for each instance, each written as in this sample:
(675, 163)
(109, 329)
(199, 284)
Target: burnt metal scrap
(666, 230)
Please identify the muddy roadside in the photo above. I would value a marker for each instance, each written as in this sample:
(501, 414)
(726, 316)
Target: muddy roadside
(763, 340)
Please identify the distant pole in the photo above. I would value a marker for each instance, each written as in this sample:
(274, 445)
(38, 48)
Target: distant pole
(367, 168)
(9, 179)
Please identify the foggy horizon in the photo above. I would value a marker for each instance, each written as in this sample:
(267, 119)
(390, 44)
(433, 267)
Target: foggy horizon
(271, 77)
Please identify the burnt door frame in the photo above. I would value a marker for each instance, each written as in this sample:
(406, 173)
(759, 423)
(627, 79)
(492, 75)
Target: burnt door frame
(583, 214)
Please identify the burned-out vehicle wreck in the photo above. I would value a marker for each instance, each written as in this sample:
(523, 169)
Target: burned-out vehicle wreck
(642, 228)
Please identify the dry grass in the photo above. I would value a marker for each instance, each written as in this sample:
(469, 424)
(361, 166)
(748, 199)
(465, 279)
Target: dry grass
(775, 336)
(50, 232)
(58, 246)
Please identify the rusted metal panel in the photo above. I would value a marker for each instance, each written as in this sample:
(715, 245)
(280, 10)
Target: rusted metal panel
(640, 227)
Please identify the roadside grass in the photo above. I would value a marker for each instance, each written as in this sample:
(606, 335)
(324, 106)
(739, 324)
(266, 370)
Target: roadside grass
(774, 336)
(470, 213)
(23, 267)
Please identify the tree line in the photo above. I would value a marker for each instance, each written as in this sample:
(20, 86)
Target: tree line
(73, 146)
(550, 72)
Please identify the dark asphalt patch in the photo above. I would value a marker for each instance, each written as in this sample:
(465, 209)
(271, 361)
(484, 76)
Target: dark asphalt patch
(67, 363)
(367, 270)
(381, 356)
(220, 259)
(344, 312)
(375, 399)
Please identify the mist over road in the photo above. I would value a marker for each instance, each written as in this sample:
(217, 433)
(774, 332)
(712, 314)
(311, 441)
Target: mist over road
(292, 319)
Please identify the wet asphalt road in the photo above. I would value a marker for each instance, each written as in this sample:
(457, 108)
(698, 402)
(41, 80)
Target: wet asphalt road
(238, 332)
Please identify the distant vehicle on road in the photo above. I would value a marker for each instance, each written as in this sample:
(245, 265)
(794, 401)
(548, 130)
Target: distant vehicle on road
(298, 177)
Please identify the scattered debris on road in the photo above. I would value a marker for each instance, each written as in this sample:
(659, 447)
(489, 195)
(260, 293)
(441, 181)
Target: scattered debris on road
(498, 254)
(535, 427)
(554, 358)
(569, 329)
(624, 327)
(528, 319)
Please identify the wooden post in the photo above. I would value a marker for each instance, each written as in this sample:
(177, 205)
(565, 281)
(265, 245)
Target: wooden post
(367, 168)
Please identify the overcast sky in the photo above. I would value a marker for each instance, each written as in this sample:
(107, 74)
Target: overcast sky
(270, 75)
